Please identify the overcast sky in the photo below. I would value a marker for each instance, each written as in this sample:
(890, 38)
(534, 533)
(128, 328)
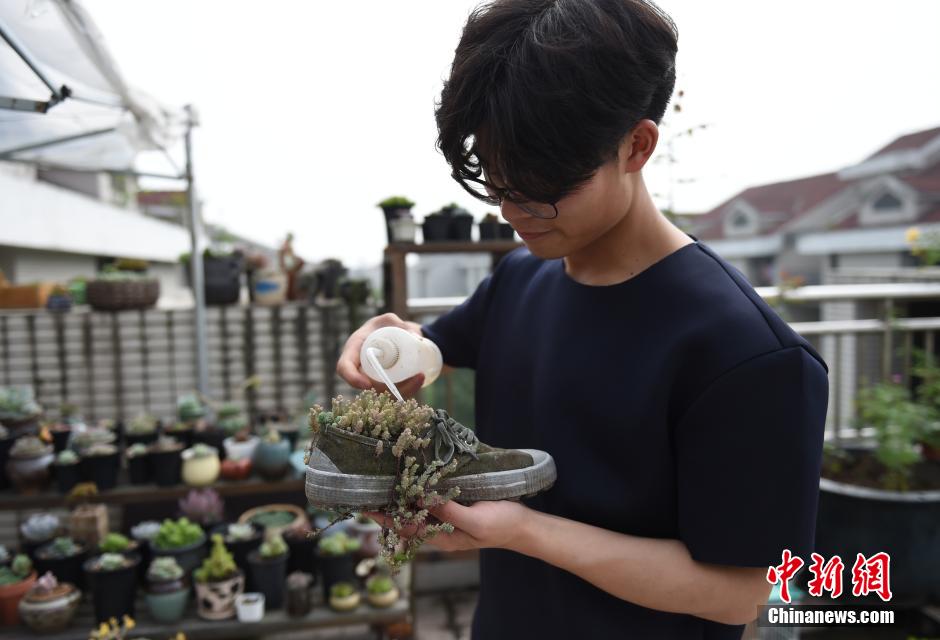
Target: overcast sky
(312, 112)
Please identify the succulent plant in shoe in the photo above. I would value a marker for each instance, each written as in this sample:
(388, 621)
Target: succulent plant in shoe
(40, 526)
(403, 458)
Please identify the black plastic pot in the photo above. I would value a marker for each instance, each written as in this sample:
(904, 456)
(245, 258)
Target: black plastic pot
(141, 438)
(460, 228)
(188, 558)
(506, 232)
(66, 476)
(67, 569)
(5, 445)
(113, 592)
(336, 569)
(184, 437)
(269, 576)
(852, 519)
(60, 439)
(436, 228)
(166, 467)
(299, 601)
(138, 469)
(241, 548)
(489, 230)
(222, 279)
(102, 470)
(303, 551)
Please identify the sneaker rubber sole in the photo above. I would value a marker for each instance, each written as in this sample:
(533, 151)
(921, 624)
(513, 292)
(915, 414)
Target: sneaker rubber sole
(326, 486)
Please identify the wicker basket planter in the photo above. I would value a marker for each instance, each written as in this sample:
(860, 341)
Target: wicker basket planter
(120, 295)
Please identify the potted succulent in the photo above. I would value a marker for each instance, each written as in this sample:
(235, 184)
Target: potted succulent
(61, 429)
(142, 429)
(381, 591)
(167, 590)
(37, 530)
(240, 446)
(88, 438)
(230, 419)
(343, 596)
(268, 568)
(6, 443)
(15, 581)
(396, 208)
(117, 290)
(272, 457)
(222, 269)
(240, 539)
(138, 463)
(232, 469)
(63, 557)
(274, 518)
(49, 605)
(337, 560)
(489, 227)
(404, 229)
(190, 409)
(302, 545)
(181, 539)
(201, 465)
(113, 581)
(100, 464)
(166, 461)
(299, 601)
(461, 223)
(367, 531)
(249, 607)
(28, 466)
(66, 470)
(204, 507)
(19, 411)
(436, 227)
(218, 582)
(182, 432)
(59, 300)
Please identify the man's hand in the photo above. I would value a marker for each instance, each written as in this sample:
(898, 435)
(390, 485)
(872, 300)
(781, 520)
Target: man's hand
(349, 367)
(483, 525)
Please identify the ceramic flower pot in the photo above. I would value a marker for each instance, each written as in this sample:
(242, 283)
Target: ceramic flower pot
(403, 229)
(270, 288)
(345, 603)
(30, 475)
(167, 600)
(216, 600)
(10, 596)
(383, 600)
(235, 469)
(250, 607)
(200, 471)
(52, 614)
(272, 459)
(240, 450)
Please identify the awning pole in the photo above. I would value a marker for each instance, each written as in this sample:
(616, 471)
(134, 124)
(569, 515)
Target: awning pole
(58, 94)
(51, 143)
(194, 222)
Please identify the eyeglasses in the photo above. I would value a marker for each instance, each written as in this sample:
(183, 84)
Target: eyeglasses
(496, 196)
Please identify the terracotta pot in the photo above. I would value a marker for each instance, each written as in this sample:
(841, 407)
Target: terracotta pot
(235, 469)
(10, 596)
(216, 600)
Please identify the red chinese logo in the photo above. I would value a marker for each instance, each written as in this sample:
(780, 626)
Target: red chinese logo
(784, 573)
(826, 577)
(872, 575)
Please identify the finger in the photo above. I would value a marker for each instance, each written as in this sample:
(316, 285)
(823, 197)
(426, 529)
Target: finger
(457, 514)
(408, 388)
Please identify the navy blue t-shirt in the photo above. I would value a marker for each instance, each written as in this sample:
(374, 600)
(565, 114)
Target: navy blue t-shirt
(676, 404)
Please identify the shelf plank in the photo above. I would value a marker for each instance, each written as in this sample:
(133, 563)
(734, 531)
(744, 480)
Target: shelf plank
(487, 246)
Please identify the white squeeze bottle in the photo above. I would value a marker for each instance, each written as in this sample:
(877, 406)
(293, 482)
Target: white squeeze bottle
(391, 354)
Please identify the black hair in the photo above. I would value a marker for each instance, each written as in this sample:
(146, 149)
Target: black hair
(542, 92)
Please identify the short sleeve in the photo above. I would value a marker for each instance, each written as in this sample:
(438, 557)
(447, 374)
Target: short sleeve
(748, 456)
(458, 332)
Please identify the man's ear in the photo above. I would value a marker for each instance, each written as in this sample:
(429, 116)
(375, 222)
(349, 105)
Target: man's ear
(637, 147)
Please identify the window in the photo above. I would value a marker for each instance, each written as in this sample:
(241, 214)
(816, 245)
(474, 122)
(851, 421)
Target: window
(887, 202)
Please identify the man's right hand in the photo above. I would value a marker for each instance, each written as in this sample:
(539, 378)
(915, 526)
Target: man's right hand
(349, 366)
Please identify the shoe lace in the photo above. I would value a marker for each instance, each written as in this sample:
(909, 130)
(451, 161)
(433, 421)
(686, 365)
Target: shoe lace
(451, 436)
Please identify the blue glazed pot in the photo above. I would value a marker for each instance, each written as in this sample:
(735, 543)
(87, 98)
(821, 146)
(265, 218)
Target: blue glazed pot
(168, 607)
(272, 459)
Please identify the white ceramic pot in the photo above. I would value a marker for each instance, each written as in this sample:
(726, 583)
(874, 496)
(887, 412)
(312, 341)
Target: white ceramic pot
(403, 229)
(383, 600)
(249, 607)
(270, 288)
(235, 450)
(200, 471)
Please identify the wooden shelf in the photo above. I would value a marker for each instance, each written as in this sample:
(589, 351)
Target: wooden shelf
(485, 246)
(133, 494)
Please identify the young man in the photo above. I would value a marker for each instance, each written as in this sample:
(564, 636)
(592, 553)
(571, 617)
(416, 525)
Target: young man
(684, 416)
